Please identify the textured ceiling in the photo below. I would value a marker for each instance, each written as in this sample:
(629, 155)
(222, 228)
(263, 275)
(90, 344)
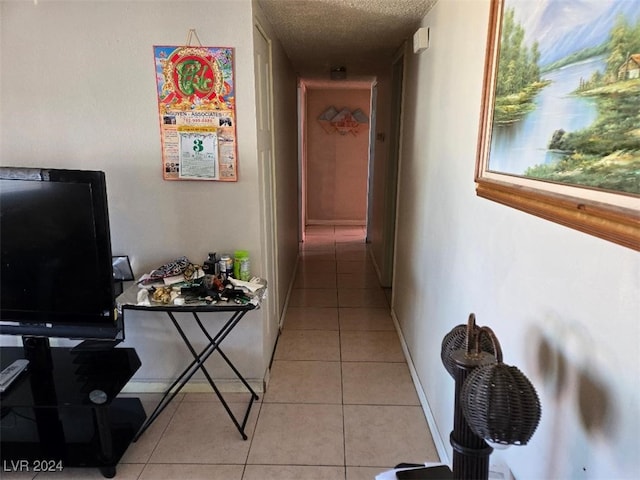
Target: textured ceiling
(357, 34)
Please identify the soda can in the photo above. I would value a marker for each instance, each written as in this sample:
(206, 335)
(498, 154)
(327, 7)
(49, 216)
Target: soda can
(226, 266)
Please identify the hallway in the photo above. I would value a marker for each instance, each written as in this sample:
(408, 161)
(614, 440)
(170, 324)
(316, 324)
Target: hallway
(340, 404)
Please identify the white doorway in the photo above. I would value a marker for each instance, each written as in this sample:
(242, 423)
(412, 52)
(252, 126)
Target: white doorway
(391, 173)
(334, 165)
(268, 220)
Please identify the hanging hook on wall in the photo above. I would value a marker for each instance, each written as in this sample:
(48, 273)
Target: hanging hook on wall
(192, 33)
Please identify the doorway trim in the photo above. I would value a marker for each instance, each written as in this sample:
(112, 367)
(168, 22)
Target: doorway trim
(393, 168)
(267, 174)
(304, 84)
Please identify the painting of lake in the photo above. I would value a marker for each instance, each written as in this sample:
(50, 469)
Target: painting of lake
(567, 94)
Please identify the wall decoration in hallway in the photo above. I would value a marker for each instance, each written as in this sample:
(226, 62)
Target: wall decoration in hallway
(558, 129)
(343, 121)
(196, 105)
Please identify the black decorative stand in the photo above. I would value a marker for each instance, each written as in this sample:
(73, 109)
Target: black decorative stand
(470, 452)
(493, 401)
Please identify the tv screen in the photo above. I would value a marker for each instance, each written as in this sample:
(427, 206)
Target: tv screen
(56, 275)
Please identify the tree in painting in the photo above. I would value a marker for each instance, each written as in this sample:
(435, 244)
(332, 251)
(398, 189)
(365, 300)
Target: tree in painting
(519, 74)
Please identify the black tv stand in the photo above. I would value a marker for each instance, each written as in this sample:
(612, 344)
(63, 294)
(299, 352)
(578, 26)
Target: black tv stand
(63, 411)
(95, 345)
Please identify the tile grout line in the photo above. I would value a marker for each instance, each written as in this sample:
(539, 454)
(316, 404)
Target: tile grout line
(344, 429)
(344, 426)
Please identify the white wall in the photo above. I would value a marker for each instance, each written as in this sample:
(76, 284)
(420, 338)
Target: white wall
(78, 91)
(565, 305)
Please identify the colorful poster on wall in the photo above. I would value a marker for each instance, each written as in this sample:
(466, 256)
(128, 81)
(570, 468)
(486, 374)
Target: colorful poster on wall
(196, 105)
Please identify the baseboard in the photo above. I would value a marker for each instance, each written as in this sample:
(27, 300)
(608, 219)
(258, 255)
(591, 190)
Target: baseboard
(376, 267)
(438, 439)
(194, 386)
(289, 290)
(350, 223)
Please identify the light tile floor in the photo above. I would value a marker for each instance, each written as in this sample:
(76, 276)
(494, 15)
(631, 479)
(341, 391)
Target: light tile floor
(340, 404)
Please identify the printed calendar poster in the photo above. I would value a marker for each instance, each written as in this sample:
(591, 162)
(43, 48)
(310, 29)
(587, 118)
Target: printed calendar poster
(196, 105)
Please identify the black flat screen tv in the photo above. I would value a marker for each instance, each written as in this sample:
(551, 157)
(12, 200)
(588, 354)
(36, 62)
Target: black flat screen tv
(56, 277)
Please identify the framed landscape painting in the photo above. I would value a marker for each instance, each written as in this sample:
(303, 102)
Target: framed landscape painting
(560, 122)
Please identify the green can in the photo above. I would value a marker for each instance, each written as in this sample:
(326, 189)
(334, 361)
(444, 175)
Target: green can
(241, 265)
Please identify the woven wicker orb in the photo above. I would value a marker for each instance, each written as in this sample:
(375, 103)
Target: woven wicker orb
(456, 339)
(452, 341)
(500, 404)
